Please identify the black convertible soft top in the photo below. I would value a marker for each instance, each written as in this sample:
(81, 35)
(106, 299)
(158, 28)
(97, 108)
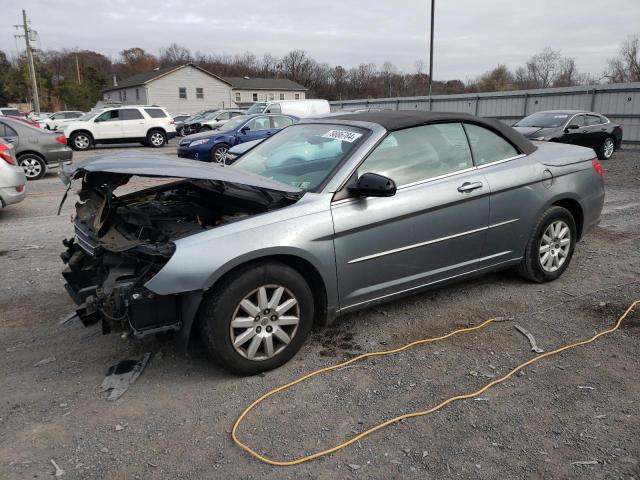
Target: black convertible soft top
(398, 119)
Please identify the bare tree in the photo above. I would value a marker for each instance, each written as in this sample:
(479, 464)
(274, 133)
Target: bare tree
(626, 66)
(174, 54)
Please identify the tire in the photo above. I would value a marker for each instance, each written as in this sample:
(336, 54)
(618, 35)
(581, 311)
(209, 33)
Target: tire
(222, 306)
(542, 266)
(607, 148)
(156, 139)
(218, 152)
(34, 166)
(80, 141)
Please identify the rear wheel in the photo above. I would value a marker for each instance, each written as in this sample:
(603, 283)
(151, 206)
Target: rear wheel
(34, 166)
(156, 139)
(257, 318)
(606, 149)
(81, 141)
(219, 153)
(550, 247)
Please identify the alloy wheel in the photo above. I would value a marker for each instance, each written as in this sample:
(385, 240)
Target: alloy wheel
(220, 154)
(157, 139)
(608, 148)
(264, 322)
(82, 142)
(32, 167)
(554, 246)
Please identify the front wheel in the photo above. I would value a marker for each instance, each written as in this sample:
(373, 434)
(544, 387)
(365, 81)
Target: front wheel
(34, 167)
(606, 149)
(81, 141)
(257, 318)
(156, 139)
(550, 247)
(219, 153)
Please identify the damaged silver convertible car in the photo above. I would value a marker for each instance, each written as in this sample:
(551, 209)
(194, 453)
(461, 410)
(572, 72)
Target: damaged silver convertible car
(325, 217)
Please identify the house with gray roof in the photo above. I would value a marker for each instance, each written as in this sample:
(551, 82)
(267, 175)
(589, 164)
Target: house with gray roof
(189, 89)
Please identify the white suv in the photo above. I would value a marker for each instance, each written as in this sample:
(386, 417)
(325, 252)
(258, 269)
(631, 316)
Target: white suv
(150, 125)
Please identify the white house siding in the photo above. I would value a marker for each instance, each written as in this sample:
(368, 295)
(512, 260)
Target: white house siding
(246, 96)
(128, 96)
(164, 91)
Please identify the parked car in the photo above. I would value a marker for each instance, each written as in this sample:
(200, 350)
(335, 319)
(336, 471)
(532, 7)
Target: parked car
(298, 108)
(14, 112)
(36, 149)
(26, 120)
(58, 120)
(180, 128)
(215, 120)
(181, 118)
(384, 204)
(578, 127)
(12, 180)
(213, 146)
(150, 125)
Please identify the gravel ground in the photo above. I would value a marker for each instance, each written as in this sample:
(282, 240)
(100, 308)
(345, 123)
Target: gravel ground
(576, 415)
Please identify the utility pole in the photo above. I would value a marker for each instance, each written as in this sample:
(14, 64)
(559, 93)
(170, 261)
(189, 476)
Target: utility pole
(32, 71)
(78, 71)
(433, 7)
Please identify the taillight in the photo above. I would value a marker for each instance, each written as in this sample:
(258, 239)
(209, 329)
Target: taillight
(172, 122)
(5, 155)
(61, 139)
(597, 167)
(20, 188)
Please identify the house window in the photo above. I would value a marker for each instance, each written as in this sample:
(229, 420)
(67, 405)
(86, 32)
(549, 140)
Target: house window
(137, 94)
(255, 97)
(297, 96)
(238, 97)
(108, 96)
(182, 92)
(271, 96)
(282, 96)
(124, 95)
(120, 95)
(200, 93)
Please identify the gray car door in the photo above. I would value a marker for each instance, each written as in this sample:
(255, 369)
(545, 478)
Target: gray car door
(515, 184)
(431, 230)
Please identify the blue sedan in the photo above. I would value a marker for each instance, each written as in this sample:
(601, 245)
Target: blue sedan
(213, 146)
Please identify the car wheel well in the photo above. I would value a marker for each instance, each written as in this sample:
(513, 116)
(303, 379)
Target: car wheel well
(31, 152)
(158, 129)
(576, 212)
(304, 268)
(86, 132)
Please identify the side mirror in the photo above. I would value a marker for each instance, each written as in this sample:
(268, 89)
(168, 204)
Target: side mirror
(373, 185)
(573, 127)
(244, 129)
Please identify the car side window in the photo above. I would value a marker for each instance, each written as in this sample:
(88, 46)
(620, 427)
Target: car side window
(280, 121)
(130, 114)
(57, 116)
(223, 116)
(236, 114)
(7, 131)
(487, 146)
(275, 108)
(594, 120)
(259, 123)
(109, 116)
(577, 120)
(419, 153)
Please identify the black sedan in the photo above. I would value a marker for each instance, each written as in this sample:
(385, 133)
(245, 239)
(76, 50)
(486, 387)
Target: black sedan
(578, 127)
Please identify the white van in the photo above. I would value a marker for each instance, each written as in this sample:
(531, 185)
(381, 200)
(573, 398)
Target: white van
(298, 108)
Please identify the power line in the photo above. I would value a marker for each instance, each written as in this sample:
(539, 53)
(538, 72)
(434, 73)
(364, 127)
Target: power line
(28, 34)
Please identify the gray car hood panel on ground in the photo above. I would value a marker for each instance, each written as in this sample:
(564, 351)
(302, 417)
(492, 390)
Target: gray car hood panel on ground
(149, 165)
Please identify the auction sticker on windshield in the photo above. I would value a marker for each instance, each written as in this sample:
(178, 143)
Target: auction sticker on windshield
(344, 135)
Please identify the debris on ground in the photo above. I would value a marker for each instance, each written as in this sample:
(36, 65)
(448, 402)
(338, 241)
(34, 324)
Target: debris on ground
(586, 462)
(530, 337)
(44, 361)
(59, 471)
(586, 387)
(121, 376)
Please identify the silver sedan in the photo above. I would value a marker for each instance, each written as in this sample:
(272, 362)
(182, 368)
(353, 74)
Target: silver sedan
(12, 180)
(326, 217)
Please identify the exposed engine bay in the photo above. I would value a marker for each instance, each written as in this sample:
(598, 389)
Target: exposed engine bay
(121, 242)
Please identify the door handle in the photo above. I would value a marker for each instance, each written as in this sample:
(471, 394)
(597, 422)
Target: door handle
(467, 187)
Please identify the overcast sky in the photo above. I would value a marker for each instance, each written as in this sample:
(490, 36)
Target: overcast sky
(472, 36)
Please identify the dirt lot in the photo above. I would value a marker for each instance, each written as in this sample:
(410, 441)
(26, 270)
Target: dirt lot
(175, 422)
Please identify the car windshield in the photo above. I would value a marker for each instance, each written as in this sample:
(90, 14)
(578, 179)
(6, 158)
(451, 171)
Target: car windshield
(88, 116)
(257, 107)
(544, 120)
(302, 155)
(232, 124)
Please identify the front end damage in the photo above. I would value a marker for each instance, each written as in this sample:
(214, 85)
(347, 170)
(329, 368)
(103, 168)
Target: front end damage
(121, 242)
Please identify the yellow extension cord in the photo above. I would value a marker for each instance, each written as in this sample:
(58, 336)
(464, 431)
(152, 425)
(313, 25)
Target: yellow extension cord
(306, 458)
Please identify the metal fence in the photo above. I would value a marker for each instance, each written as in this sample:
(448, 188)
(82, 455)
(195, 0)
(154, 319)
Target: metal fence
(619, 102)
